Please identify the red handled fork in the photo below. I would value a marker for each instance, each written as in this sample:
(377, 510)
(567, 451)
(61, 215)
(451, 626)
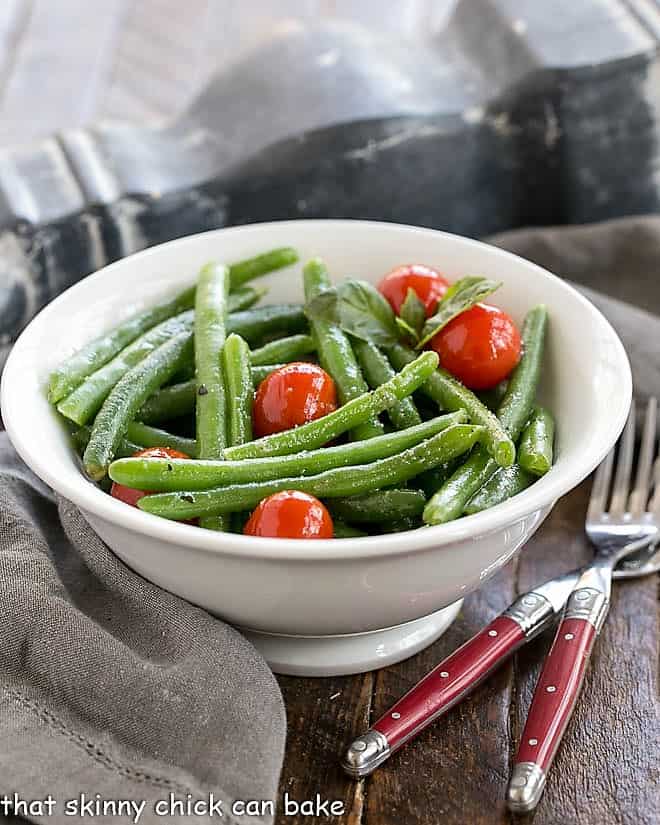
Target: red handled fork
(454, 678)
(609, 530)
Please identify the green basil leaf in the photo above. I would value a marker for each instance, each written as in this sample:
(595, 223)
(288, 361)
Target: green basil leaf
(406, 330)
(359, 309)
(460, 296)
(324, 307)
(412, 312)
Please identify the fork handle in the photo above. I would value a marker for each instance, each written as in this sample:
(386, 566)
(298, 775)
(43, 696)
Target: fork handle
(439, 690)
(555, 696)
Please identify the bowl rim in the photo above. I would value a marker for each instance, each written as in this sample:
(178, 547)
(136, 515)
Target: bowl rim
(93, 501)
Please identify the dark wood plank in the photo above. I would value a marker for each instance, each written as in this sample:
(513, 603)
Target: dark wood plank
(456, 770)
(323, 715)
(606, 771)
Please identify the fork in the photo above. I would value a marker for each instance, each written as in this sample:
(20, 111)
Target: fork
(630, 518)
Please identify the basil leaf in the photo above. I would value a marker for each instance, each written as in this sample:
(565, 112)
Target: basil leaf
(359, 309)
(406, 330)
(412, 312)
(460, 296)
(323, 307)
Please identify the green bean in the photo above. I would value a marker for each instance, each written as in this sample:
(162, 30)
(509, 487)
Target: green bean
(263, 322)
(210, 404)
(85, 401)
(240, 398)
(381, 506)
(244, 271)
(493, 398)
(87, 360)
(98, 352)
(343, 481)
(260, 373)
(377, 370)
(400, 525)
(347, 531)
(146, 436)
(516, 406)
(163, 475)
(322, 430)
(504, 483)
(450, 394)
(187, 373)
(244, 297)
(536, 443)
(431, 481)
(125, 448)
(254, 324)
(126, 398)
(170, 402)
(81, 405)
(448, 502)
(179, 399)
(335, 353)
(284, 349)
(238, 388)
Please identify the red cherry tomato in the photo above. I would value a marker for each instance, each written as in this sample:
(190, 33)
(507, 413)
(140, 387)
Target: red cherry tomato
(294, 394)
(429, 285)
(290, 515)
(131, 496)
(480, 346)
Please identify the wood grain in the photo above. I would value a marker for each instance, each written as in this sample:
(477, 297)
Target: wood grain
(323, 716)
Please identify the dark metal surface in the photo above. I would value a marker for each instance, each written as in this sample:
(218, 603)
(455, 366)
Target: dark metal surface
(520, 113)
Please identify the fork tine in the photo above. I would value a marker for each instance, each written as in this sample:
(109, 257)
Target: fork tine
(654, 504)
(600, 487)
(624, 466)
(647, 450)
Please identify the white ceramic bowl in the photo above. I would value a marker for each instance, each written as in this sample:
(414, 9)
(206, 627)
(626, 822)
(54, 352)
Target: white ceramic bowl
(322, 607)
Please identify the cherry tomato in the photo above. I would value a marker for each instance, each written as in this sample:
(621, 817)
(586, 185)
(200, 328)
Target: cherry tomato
(130, 495)
(290, 515)
(480, 346)
(429, 285)
(294, 394)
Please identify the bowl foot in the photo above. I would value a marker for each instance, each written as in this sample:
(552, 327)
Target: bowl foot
(351, 653)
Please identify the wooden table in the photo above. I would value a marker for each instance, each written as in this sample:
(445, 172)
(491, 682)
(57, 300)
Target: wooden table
(67, 63)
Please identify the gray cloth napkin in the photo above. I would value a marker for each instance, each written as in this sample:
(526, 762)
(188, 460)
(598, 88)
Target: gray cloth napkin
(113, 687)
(616, 264)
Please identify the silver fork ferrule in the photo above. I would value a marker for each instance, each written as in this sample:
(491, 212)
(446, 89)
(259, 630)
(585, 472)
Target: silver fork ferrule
(532, 611)
(589, 604)
(525, 787)
(365, 754)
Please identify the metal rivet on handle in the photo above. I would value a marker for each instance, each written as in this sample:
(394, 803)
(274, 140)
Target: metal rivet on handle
(396, 715)
(569, 636)
(444, 674)
(492, 632)
(533, 741)
(551, 688)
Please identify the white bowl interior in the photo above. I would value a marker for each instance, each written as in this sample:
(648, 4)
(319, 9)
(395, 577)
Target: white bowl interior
(586, 379)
